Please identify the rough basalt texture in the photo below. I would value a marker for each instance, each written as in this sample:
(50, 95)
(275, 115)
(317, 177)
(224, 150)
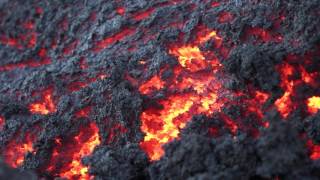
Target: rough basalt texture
(89, 53)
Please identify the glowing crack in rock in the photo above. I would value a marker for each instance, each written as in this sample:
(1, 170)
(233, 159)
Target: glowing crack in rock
(46, 105)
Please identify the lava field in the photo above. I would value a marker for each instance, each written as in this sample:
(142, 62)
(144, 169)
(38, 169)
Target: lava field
(160, 89)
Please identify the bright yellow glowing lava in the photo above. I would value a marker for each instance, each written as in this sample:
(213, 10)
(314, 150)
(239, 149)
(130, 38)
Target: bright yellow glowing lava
(314, 104)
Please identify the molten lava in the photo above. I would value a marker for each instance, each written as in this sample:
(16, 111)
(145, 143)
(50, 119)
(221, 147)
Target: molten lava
(45, 105)
(16, 150)
(194, 90)
(190, 58)
(70, 153)
(284, 103)
(293, 74)
(155, 83)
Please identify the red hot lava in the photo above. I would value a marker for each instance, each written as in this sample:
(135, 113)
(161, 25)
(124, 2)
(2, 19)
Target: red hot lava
(194, 90)
(16, 150)
(66, 158)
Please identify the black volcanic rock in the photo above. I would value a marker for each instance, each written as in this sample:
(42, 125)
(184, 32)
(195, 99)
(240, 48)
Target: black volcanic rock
(128, 162)
(61, 49)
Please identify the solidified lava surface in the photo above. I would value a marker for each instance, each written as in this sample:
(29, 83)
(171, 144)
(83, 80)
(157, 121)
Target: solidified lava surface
(161, 89)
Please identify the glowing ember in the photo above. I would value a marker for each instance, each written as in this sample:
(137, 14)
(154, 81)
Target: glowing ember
(314, 104)
(16, 150)
(46, 105)
(71, 152)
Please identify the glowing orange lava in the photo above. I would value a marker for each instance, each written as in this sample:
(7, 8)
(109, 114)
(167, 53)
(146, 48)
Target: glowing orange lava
(293, 74)
(70, 153)
(155, 83)
(16, 150)
(284, 104)
(194, 90)
(46, 105)
(314, 104)
(189, 57)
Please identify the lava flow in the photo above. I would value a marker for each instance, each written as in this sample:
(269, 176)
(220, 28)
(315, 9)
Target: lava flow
(293, 76)
(125, 89)
(16, 150)
(66, 158)
(194, 90)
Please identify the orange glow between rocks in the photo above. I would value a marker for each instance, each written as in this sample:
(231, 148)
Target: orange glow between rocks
(45, 105)
(16, 150)
(314, 104)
